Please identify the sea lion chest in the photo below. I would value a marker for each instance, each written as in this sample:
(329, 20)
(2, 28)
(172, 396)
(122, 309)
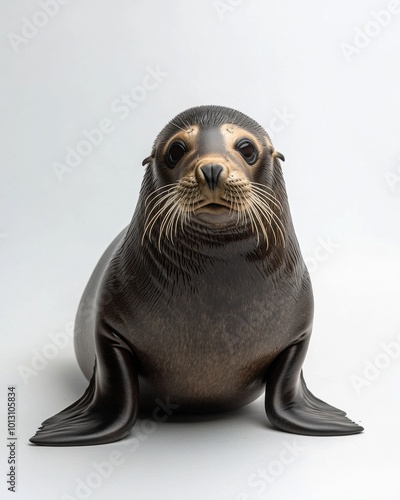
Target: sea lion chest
(204, 327)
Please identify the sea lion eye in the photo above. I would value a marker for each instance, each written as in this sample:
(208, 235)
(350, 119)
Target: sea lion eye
(247, 149)
(175, 153)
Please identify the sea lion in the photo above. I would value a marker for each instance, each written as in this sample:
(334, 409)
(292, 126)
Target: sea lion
(204, 299)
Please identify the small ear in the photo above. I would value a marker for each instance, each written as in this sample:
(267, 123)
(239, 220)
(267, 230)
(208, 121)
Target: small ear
(147, 160)
(279, 155)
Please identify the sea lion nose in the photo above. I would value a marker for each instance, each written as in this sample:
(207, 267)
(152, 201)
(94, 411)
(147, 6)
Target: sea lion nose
(211, 174)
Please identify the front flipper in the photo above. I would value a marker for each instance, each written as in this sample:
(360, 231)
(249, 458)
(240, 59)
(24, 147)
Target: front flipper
(107, 410)
(291, 407)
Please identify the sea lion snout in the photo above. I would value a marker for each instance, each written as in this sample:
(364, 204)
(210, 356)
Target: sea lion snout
(211, 174)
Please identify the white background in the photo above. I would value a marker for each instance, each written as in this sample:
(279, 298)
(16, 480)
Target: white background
(340, 137)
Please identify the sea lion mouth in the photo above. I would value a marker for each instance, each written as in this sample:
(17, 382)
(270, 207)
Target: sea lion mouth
(215, 214)
(218, 212)
(239, 203)
(214, 207)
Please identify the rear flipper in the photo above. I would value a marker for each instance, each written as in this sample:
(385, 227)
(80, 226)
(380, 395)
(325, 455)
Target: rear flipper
(108, 409)
(291, 407)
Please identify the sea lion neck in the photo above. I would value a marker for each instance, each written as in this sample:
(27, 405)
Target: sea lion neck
(197, 251)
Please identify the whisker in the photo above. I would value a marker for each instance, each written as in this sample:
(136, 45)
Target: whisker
(181, 219)
(236, 204)
(262, 209)
(278, 223)
(268, 199)
(149, 224)
(177, 126)
(172, 226)
(156, 194)
(268, 196)
(173, 205)
(257, 215)
(189, 210)
(226, 196)
(271, 216)
(253, 225)
(159, 202)
(164, 223)
(260, 200)
(239, 200)
(263, 186)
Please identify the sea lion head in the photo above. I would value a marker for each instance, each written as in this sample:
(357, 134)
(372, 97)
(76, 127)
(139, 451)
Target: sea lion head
(214, 169)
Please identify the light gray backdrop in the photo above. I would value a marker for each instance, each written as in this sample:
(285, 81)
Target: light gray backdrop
(323, 78)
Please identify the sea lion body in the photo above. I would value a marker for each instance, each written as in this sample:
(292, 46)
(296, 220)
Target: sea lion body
(230, 318)
(204, 298)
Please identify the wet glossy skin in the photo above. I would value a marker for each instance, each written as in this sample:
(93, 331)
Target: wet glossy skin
(194, 301)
